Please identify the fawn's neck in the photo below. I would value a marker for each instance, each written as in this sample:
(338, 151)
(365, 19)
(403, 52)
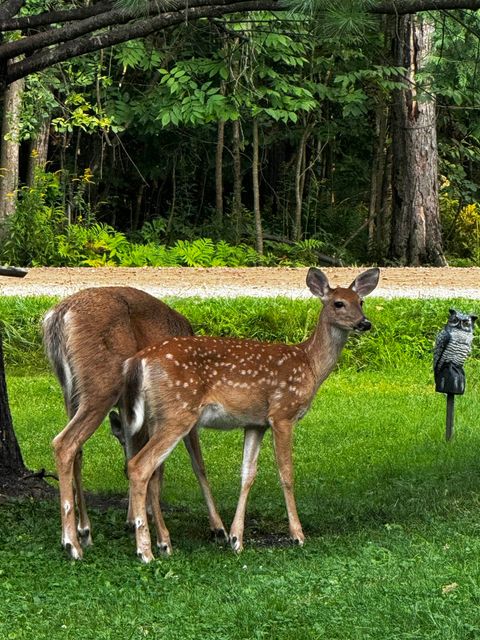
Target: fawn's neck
(324, 347)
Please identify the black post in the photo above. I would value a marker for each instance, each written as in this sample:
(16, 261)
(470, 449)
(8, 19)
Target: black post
(450, 414)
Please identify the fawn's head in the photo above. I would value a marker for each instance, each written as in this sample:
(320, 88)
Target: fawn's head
(343, 307)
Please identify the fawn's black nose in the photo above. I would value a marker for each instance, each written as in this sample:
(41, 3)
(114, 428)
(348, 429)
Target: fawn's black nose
(363, 325)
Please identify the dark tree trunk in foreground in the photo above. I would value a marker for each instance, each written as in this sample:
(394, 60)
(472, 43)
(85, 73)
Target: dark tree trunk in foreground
(416, 232)
(11, 461)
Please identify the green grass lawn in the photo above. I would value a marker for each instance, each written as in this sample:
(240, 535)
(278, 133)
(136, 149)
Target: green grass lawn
(391, 513)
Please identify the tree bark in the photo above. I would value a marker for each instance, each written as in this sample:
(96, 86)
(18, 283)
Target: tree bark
(256, 191)
(10, 148)
(416, 232)
(379, 164)
(299, 184)
(11, 461)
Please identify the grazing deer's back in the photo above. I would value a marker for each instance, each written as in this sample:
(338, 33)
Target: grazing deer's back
(91, 333)
(121, 320)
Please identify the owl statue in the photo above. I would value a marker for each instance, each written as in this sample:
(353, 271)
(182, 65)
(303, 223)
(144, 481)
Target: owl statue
(452, 347)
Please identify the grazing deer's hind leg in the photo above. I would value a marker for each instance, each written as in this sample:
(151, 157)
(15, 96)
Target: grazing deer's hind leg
(192, 444)
(67, 445)
(251, 449)
(154, 489)
(282, 440)
(83, 525)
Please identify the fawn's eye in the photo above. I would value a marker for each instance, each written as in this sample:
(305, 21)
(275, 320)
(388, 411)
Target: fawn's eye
(338, 304)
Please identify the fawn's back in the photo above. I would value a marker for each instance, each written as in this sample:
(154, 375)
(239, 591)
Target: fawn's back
(226, 383)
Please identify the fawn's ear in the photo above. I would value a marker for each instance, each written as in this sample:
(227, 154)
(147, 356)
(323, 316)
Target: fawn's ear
(366, 282)
(317, 283)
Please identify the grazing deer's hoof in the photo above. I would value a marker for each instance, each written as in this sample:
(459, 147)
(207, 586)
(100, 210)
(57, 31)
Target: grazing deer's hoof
(129, 525)
(165, 548)
(236, 544)
(219, 535)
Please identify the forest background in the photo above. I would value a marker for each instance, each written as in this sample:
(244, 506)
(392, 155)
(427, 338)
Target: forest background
(318, 133)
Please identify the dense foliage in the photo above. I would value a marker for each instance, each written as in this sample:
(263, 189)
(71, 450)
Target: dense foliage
(266, 125)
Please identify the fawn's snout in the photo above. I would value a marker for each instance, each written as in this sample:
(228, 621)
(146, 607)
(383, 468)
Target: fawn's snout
(363, 325)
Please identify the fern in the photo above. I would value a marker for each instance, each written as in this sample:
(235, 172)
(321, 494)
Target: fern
(198, 253)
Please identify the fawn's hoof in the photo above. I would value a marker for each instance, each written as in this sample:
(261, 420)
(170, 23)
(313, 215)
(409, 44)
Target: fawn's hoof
(236, 544)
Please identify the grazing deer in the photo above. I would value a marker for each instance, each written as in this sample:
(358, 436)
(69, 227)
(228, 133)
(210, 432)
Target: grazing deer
(87, 338)
(189, 382)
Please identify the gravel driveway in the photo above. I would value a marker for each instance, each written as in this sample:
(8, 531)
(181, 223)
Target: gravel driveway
(227, 282)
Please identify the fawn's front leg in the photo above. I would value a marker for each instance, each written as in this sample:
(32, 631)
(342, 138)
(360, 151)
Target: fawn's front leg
(282, 439)
(192, 443)
(251, 449)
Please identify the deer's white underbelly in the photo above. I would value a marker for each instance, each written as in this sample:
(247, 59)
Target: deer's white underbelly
(214, 416)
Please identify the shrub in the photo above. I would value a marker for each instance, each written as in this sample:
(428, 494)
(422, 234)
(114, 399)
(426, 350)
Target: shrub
(32, 233)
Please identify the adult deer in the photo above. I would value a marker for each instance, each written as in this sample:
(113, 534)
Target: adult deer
(87, 338)
(190, 382)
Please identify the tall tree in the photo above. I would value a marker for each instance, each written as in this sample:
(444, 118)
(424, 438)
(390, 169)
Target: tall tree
(416, 232)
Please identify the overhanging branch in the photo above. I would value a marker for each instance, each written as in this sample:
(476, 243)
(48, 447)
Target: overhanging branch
(131, 31)
(51, 17)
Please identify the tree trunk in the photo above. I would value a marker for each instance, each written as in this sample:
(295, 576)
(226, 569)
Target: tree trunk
(237, 181)
(379, 161)
(256, 191)
(10, 148)
(38, 154)
(11, 461)
(300, 183)
(219, 171)
(384, 210)
(416, 233)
